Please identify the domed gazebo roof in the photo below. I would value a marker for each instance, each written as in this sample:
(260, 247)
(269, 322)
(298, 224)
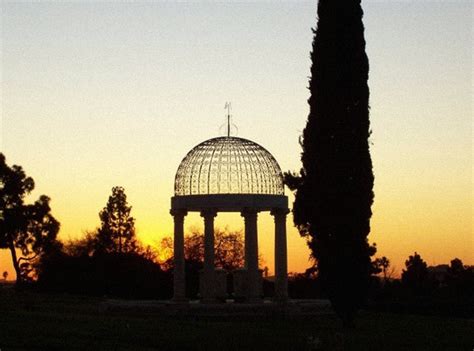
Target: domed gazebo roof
(228, 165)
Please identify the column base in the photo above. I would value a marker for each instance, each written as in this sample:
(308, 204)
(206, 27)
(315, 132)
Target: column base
(254, 300)
(179, 300)
(210, 301)
(281, 300)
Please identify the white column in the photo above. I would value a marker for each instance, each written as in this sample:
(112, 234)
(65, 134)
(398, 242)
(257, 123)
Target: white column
(179, 278)
(251, 254)
(208, 293)
(281, 259)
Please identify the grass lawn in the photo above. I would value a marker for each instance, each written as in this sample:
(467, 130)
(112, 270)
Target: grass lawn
(30, 321)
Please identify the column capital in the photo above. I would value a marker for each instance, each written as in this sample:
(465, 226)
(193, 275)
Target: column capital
(178, 212)
(209, 213)
(279, 211)
(248, 212)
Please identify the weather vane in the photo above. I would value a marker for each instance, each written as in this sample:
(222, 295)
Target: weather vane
(228, 107)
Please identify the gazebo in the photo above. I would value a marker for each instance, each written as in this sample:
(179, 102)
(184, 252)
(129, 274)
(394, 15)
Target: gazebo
(230, 174)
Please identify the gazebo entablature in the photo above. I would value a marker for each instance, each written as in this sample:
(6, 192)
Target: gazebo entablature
(229, 202)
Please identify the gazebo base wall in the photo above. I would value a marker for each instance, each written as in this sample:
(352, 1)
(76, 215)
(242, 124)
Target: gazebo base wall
(217, 291)
(241, 290)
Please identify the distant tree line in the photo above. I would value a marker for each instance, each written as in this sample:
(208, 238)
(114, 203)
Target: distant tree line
(438, 290)
(446, 290)
(109, 261)
(90, 266)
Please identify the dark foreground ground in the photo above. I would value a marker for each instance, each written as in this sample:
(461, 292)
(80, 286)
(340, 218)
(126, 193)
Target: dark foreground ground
(30, 321)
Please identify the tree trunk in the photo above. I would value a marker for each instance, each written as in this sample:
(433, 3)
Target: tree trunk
(16, 264)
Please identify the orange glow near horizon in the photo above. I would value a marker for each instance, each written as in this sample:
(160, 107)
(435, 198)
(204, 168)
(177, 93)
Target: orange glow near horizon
(395, 235)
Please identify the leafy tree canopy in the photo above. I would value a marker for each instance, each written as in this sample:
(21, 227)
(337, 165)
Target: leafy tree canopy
(228, 248)
(416, 275)
(28, 230)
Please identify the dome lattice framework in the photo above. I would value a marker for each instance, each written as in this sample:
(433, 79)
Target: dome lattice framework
(228, 165)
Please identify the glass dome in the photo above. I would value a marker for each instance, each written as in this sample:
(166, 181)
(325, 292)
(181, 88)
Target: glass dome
(228, 165)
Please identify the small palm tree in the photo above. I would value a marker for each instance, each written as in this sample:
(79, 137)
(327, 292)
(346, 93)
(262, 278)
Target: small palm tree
(383, 263)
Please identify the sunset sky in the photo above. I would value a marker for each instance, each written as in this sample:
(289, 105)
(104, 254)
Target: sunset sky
(95, 95)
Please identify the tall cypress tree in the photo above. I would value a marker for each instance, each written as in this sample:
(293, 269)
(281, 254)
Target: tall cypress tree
(333, 193)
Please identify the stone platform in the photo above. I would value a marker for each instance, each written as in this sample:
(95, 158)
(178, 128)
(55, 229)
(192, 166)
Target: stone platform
(265, 309)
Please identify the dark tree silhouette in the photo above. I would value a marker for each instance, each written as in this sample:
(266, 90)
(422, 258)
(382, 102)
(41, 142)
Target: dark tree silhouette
(87, 266)
(228, 248)
(26, 229)
(333, 192)
(416, 275)
(456, 267)
(383, 263)
(117, 231)
(127, 275)
(460, 279)
(88, 245)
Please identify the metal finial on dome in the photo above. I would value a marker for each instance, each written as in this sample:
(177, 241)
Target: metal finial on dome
(229, 125)
(228, 106)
